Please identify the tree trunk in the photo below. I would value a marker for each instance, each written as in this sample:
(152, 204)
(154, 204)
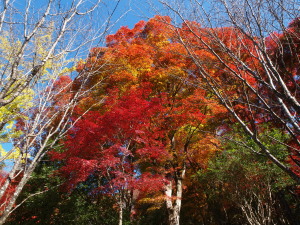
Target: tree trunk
(174, 207)
(174, 215)
(8, 209)
(120, 212)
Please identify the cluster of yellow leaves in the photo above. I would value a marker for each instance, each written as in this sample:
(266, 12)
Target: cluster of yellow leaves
(13, 154)
(156, 201)
(14, 110)
(8, 49)
(56, 65)
(36, 52)
(9, 114)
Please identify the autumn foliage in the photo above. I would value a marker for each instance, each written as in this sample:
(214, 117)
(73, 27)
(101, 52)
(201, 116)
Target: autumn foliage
(152, 126)
(152, 121)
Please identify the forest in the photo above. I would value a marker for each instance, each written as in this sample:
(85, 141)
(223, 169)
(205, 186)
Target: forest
(189, 117)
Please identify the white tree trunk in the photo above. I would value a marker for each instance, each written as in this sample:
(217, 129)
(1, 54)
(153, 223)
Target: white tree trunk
(121, 211)
(174, 207)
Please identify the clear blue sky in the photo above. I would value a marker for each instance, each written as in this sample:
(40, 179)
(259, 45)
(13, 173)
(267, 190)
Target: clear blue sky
(138, 10)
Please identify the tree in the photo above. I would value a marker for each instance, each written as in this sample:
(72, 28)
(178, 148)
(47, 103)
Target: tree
(54, 206)
(40, 43)
(111, 146)
(242, 188)
(153, 122)
(252, 69)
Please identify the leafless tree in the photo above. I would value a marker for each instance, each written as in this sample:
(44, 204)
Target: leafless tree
(41, 41)
(270, 92)
(259, 207)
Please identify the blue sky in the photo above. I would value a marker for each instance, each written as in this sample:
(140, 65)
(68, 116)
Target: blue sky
(136, 10)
